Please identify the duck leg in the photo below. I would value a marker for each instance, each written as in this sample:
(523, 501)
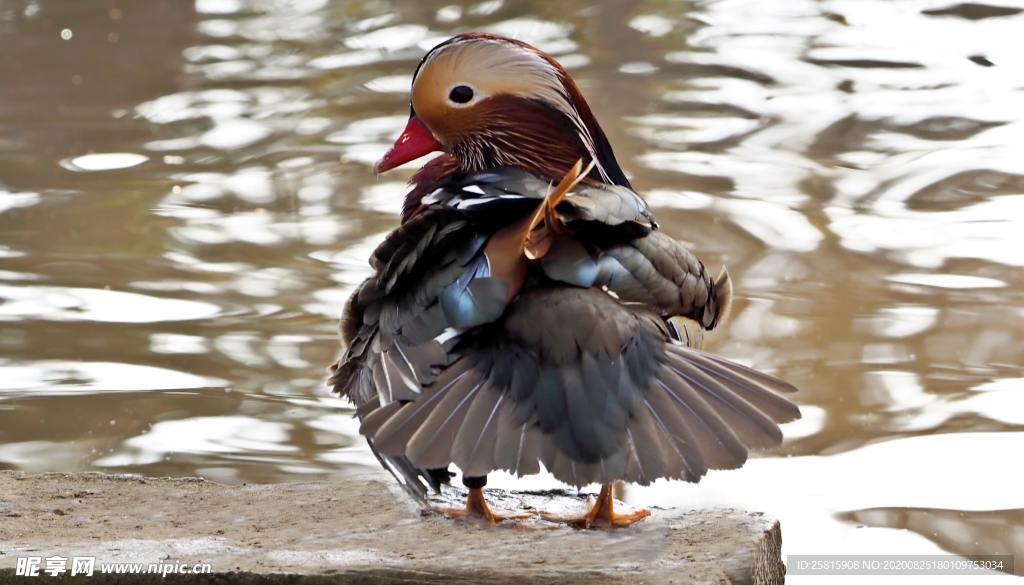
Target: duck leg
(601, 514)
(476, 505)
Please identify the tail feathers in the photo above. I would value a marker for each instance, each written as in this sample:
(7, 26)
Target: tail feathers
(398, 425)
(750, 409)
(697, 412)
(414, 481)
(761, 390)
(591, 388)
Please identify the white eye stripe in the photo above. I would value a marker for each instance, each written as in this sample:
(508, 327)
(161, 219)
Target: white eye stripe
(513, 69)
(477, 95)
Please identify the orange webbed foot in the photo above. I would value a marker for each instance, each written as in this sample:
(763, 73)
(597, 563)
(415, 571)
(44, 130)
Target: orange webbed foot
(476, 509)
(601, 514)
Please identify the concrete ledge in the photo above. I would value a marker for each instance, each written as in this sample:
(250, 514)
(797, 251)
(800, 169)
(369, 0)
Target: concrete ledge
(361, 530)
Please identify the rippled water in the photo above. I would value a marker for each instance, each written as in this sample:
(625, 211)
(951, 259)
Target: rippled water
(186, 200)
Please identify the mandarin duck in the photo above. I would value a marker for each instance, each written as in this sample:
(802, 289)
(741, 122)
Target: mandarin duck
(528, 312)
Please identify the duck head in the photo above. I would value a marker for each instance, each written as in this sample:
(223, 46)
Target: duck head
(488, 101)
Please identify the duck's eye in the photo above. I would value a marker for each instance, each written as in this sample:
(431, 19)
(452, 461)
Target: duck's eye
(461, 94)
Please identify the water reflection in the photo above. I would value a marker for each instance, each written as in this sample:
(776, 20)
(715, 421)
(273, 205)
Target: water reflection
(58, 377)
(916, 484)
(972, 533)
(107, 306)
(107, 161)
(186, 201)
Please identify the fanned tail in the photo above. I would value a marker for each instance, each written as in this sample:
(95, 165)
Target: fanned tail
(595, 390)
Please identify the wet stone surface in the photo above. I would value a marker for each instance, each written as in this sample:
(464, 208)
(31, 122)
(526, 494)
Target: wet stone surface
(361, 529)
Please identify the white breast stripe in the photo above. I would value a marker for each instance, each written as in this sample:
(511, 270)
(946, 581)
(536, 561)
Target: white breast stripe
(447, 335)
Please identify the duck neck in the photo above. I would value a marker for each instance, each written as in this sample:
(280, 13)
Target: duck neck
(524, 135)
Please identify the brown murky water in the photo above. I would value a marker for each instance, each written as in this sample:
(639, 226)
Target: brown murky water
(186, 201)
